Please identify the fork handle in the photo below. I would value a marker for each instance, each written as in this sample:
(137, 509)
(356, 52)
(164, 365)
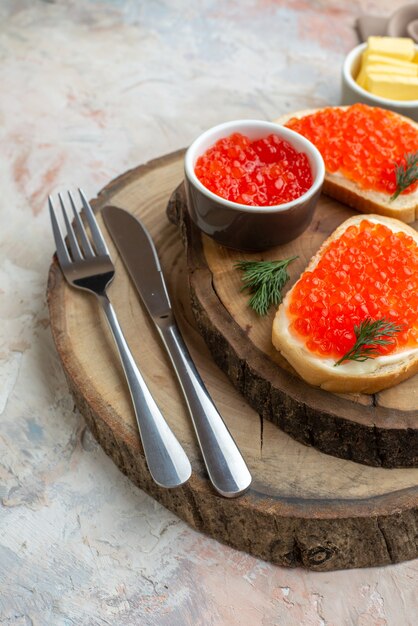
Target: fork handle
(226, 467)
(166, 459)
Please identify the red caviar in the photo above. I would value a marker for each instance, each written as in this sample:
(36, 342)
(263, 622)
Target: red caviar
(368, 272)
(264, 172)
(364, 143)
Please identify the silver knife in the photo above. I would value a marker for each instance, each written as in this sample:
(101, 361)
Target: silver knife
(226, 467)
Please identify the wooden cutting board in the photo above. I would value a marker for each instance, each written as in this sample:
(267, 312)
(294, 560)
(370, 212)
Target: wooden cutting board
(304, 508)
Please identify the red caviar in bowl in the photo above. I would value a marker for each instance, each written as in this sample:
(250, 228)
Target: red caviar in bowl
(361, 142)
(368, 272)
(264, 172)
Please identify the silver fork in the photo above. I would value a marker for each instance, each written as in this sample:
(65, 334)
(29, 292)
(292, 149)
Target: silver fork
(90, 267)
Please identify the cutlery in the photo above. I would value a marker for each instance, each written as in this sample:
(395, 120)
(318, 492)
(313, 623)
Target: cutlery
(225, 465)
(87, 265)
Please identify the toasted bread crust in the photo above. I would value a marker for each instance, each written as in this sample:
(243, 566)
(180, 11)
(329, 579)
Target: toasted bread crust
(358, 200)
(404, 208)
(350, 377)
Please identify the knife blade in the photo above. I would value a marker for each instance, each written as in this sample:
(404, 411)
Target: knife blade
(225, 465)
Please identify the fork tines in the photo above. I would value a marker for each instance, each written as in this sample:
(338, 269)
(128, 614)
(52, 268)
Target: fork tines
(79, 246)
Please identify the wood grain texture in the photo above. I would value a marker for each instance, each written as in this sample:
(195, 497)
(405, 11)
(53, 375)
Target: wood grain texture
(304, 508)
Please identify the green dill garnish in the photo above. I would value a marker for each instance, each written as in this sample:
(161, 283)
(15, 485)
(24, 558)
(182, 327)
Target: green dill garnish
(264, 280)
(369, 335)
(406, 174)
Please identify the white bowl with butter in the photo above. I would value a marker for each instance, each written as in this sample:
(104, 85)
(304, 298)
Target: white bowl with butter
(352, 92)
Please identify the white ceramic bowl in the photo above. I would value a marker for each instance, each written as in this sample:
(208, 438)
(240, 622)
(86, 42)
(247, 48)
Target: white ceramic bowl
(352, 92)
(250, 227)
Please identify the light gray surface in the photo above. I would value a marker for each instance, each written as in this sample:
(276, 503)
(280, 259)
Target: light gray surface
(89, 89)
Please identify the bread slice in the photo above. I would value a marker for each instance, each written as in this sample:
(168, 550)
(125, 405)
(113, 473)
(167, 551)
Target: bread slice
(368, 376)
(336, 185)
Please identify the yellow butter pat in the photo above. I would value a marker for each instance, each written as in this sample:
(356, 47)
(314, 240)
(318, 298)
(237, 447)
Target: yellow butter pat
(381, 59)
(393, 87)
(362, 78)
(398, 47)
(404, 69)
(380, 68)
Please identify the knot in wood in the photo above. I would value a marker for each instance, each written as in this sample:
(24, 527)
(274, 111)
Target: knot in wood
(320, 554)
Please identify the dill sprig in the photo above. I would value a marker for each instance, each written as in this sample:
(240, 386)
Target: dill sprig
(369, 335)
(264, 280)
(406, 173)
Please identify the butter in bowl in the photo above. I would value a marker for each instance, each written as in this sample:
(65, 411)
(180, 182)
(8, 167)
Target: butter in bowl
(383, 72)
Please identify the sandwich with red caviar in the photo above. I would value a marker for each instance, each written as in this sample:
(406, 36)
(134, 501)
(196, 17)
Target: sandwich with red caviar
(350, 323)
(370, 155)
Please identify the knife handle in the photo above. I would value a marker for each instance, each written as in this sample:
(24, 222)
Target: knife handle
(166, 459)
(226, 467)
